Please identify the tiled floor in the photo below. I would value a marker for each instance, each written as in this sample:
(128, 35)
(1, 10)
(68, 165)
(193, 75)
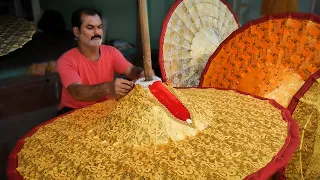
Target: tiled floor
(13, 128)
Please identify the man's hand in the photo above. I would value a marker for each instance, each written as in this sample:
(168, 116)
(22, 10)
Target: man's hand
(122, 87)
(118, 87)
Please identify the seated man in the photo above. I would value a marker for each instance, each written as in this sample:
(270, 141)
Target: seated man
(87, 72)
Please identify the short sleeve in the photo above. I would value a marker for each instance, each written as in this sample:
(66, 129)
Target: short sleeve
(68, 72)
(119, 62)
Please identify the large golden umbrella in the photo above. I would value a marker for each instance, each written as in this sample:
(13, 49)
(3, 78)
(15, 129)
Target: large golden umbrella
(14, 33)
(159, 132)
(232, 136)
(274, 57)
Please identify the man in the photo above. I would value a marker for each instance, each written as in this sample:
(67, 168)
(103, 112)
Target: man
(87, 72)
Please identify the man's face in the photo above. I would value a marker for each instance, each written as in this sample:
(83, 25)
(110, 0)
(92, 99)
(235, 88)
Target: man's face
(90, 33)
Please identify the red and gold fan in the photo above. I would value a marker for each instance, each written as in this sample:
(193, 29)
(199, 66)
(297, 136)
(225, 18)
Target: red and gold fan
(191, 32)
(273, 57)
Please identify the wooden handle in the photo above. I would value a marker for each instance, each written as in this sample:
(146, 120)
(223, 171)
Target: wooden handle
(145, 40)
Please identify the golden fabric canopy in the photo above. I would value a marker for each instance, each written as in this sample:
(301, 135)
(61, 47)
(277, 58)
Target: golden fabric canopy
(233, 136)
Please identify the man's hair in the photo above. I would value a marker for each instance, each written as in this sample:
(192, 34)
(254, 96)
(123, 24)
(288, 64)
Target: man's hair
(76, 16)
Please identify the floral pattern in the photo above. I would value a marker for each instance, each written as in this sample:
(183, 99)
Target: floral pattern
(233, 136)
(305, 163)
(270, 59)
(273, 58)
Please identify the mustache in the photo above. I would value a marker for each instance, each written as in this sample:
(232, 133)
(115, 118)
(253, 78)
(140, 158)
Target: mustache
(96, 36)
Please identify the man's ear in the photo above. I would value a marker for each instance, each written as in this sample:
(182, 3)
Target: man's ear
(76, 31)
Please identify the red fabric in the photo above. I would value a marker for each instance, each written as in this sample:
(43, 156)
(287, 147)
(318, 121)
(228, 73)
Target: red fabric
(170, 101)
(73, 67)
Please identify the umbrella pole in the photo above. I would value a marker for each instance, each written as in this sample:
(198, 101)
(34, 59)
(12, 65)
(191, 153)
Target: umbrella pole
(143, 15)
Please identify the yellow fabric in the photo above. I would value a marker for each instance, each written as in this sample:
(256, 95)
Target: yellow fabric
(278, 6)
(305, 163)
(233, 135)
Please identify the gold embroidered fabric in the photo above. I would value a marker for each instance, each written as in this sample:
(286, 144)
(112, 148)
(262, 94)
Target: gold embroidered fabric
(193, 31)
(305, 163)
(14, 33)
(233, 136)
(270, 58)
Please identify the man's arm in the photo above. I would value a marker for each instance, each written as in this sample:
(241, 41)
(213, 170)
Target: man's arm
(118, 87)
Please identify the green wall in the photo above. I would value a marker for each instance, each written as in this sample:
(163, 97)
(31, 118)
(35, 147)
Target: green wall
(122, 14)
(158, 10)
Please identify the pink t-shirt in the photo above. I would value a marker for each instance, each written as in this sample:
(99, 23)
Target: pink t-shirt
(73, 67)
